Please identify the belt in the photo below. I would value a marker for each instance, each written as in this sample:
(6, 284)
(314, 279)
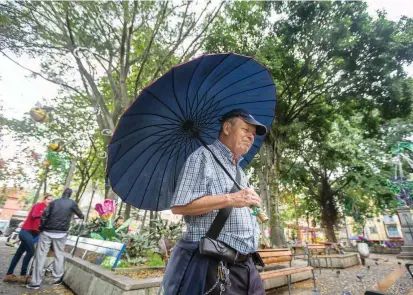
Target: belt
(242, 257)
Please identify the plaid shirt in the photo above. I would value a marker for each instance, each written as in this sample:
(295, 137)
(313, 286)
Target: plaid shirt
(202, 176)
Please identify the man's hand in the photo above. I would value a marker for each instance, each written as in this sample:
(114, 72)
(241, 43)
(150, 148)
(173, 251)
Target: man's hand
(245, 198)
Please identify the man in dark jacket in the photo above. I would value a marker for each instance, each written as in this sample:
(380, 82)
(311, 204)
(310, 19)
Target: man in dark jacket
(54, 227)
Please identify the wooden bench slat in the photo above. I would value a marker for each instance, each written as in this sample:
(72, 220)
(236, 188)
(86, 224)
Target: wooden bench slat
(275, 254)
(273, 250)
(284, 272)
(276, 260)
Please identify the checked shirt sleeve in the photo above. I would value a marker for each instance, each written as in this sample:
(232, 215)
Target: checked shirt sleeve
(193, 180)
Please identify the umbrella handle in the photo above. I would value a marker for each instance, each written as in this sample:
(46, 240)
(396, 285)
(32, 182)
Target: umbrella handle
(259, 212)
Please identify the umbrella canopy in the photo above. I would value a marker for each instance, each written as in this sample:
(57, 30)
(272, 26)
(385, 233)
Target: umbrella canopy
(170, 118)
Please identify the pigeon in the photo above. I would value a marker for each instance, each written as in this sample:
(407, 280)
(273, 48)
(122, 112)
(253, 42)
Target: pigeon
(346, 293)
(360, 277)
(338, 273)
(376, 263)
(368, 267)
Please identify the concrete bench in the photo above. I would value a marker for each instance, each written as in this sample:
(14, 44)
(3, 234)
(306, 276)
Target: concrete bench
(274, 256)
(102, 247)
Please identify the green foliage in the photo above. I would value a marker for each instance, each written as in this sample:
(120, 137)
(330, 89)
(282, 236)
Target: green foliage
(161, 228)
(155, 260)
(332, 63)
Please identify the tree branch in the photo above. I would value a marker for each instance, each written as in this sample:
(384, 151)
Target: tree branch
(44, 77)
(148, 47)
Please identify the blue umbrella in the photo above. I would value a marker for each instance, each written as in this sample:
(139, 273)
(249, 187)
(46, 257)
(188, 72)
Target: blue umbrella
(178, 113)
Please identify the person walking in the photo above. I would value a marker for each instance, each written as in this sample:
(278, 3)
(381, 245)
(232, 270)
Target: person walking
(28, 232)
(54, 227)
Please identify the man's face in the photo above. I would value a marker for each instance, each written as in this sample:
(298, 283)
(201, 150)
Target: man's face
(241, 136)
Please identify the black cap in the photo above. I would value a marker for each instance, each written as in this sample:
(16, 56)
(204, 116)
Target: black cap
(247, 117)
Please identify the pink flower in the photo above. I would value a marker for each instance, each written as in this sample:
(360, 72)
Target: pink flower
(109, 205)
(100, 209)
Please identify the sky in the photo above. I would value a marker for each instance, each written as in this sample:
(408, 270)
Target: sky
(19, 92)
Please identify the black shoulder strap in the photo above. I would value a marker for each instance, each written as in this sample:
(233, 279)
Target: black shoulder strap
(223, 214)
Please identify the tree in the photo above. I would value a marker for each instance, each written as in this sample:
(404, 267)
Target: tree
(73, 124)
(320, 54)
(344, 174)
(127, 43)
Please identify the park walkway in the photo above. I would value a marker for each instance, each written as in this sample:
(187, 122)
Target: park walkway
(382, 273)
(6, 254)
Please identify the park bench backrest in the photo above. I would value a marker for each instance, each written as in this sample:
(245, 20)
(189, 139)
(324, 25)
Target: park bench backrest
(316, 248)
(105, 248)
(271, 256)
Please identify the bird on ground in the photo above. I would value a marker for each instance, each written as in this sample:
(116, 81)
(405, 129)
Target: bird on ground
(376, 263)
(368, 267)
(360, 277)
(346, 293)
(338, 273)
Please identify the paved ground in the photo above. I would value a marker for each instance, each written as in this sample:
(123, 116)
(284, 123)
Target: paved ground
(388, 277)
(382, 273)
(6, 254)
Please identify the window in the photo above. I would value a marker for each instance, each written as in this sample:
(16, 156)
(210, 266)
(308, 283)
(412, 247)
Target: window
(392, 232)
(389, 219)
(373, 229)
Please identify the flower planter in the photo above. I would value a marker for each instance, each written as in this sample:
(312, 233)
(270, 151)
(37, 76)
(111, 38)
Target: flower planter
(86, 278)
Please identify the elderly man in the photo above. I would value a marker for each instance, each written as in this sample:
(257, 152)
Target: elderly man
(203, 189)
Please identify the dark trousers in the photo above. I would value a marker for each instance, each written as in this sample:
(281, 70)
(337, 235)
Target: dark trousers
(244, 276)
(26, 245)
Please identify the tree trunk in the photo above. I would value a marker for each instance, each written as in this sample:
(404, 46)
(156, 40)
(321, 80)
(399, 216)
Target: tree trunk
(329, 210)
(120, 209)
(277, 232)
(70, 173)
(144, 218)
(331, 235)
(127, 211)
(45, 181)
(36, 196)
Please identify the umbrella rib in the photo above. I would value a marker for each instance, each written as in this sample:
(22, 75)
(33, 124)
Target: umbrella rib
(143, 166)
(213, 96)
(176, 175)
(214, 113)
(160, 187)
(207, 76)
(153, 171)
(264, 86)
(174, 91)
(117, 160)
(187, 88)
(149, 126)
(152, 114)
(140, 172)
(150, 178)
(206, 93)
(217, 111)
(221, 100)
(157, 98)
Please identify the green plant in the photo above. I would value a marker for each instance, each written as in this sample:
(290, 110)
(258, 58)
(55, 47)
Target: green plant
(155, 260)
